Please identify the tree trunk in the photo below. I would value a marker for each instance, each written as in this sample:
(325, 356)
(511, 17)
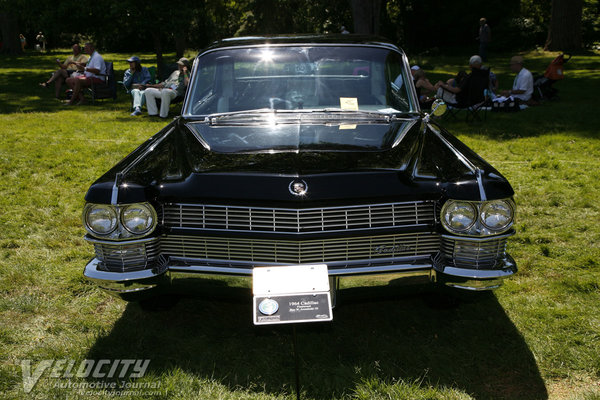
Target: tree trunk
(159, 54)
(366, 15)
(10, 34)
(564, 33)
(180, 44)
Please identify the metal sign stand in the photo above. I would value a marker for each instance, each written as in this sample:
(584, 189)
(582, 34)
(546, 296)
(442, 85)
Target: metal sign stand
(290, 295)
(296, 362)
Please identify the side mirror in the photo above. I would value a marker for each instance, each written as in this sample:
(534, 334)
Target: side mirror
(438, 108)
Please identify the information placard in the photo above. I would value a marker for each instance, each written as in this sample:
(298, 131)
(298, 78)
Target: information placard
(291, 294)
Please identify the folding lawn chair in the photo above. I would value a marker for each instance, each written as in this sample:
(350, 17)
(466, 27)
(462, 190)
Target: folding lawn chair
(473, 96)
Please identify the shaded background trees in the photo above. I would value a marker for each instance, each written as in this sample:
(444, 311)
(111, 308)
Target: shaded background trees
(417, 25)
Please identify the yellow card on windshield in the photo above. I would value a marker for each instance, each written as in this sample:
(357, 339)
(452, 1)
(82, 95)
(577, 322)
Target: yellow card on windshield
(349, 103)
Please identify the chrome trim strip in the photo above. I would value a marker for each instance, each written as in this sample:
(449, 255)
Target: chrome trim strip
(347, 263)
(303, 233)
(478, 273)
(477, 286)
(304, 209)
(480, 184)
(114, 197)
(119, 242)
(478, 239)
(406, 126)
(332, 272)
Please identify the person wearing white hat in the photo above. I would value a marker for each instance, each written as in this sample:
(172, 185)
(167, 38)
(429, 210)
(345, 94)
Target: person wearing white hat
(171, 88)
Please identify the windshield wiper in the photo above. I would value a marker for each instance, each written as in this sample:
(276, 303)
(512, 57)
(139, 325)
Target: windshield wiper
(322, 115)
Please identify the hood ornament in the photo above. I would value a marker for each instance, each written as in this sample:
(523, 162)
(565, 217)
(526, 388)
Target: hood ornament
(298, 187)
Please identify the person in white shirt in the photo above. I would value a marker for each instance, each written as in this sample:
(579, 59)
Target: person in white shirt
(522, 88)
(92, 71)
(174, 86)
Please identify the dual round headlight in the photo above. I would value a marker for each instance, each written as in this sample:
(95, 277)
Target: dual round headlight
(122, 221)
(490, 217)
(138, 218)
(101, 219)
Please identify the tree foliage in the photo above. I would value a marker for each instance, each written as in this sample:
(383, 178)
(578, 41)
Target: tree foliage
(153, 25)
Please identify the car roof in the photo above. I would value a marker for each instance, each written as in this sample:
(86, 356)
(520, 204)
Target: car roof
(328, 39)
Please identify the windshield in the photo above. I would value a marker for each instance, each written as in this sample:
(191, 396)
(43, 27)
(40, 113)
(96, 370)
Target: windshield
(306, 78)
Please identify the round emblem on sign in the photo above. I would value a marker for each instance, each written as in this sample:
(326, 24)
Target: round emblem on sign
(268, 306)
(298, 187)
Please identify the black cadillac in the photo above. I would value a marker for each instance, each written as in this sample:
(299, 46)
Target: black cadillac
(299, 150)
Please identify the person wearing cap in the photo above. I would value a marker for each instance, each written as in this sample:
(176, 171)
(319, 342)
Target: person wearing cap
(133, 79)
(413, 70)
(522, 88)
(174, 86)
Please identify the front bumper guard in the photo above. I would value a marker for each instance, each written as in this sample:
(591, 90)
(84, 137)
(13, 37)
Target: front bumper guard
(136, 283)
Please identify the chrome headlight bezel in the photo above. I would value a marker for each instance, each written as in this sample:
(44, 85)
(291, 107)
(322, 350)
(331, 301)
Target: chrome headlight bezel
(509, 207)
(150, 214)
(454, 205)
(479, 227)
(89, 208)
(120, 231)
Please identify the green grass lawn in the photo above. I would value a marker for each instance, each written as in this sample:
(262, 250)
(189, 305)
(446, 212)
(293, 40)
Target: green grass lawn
(537, 337)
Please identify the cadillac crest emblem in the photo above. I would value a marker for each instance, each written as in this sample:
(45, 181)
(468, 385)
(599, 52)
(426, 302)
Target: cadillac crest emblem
(298, 187)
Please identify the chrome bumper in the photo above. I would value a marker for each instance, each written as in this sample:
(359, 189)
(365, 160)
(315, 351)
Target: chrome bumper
(198, 278)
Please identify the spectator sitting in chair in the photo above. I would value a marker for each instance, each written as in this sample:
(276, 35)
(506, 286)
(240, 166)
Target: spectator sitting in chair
(453, 91)
(174, 86)
(65, 69)
(133, 80)
(522, 88)
(422, 84)
(91, 71)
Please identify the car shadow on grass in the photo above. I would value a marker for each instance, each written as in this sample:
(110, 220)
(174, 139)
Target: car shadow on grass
(472, 346)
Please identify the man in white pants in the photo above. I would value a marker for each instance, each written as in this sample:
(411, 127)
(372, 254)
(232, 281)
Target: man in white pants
(168, 90)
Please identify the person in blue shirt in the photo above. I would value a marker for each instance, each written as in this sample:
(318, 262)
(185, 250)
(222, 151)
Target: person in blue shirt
(134, 80)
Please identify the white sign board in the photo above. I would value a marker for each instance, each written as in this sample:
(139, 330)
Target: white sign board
(291, 294)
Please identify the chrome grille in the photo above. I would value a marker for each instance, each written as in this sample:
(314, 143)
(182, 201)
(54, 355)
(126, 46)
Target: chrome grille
(298, 252)
(124, 258)
(311, 220)
(475, 254)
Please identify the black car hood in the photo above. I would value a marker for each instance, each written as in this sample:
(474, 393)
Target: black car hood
(405, 159)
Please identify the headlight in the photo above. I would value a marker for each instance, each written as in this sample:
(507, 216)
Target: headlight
(100, 219)
(459, 215)
(478, 218)
(138, 218)
(496, 215)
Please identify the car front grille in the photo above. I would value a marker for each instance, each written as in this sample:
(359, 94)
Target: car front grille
(418, 245)
(474, 254)
(311, 220)
(128, 257)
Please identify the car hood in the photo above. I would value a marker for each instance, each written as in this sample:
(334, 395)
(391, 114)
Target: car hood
(404, 159)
